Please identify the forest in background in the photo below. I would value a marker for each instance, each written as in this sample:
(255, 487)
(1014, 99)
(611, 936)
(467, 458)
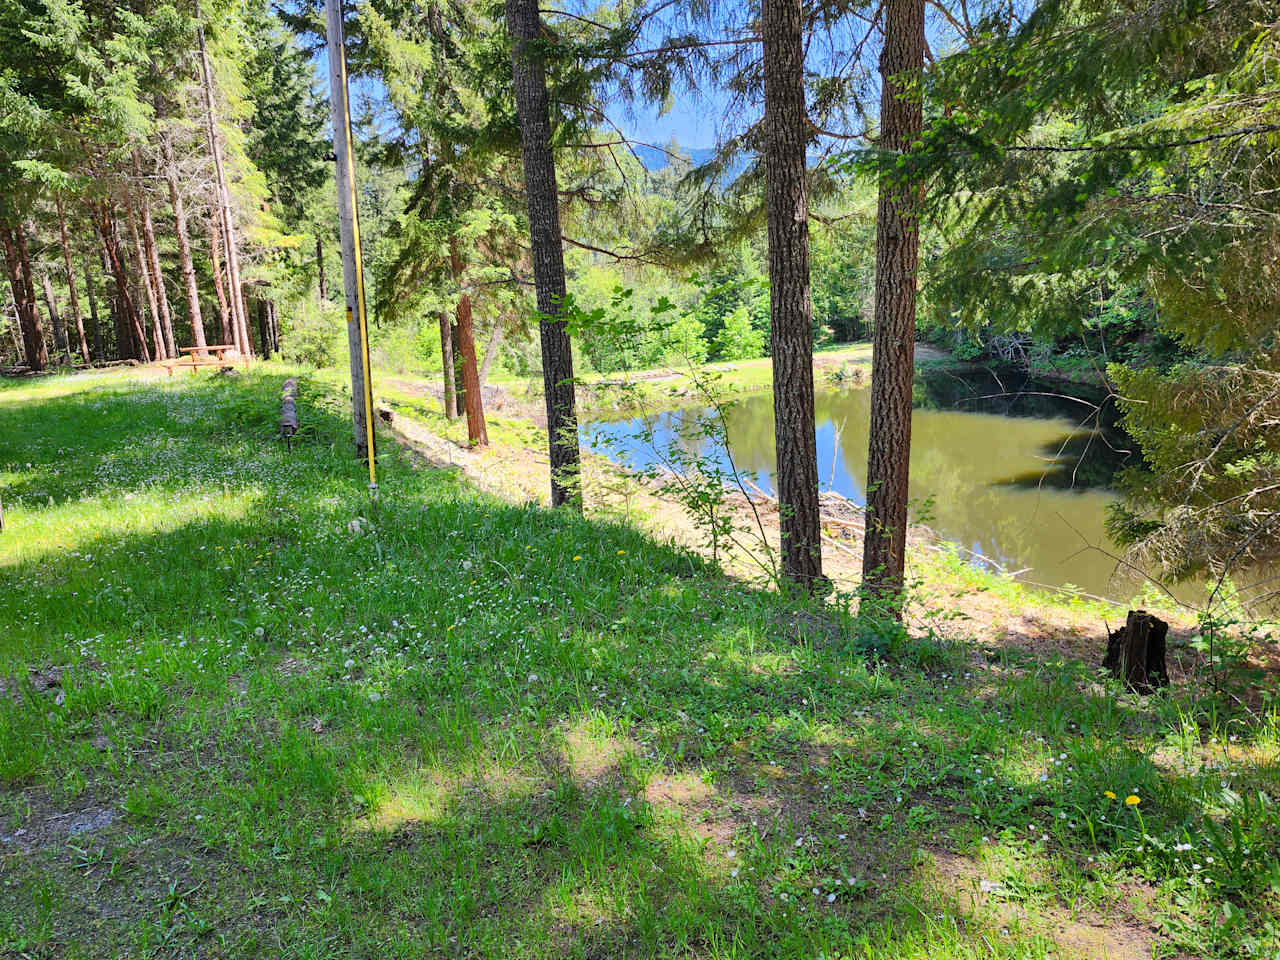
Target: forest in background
(1092, 184)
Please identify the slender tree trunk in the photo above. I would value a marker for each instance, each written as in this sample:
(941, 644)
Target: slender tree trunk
(533, 109)
(55, 318)
(264, 329)
(144, 276)
(183, 236)
(153, 260)
(32, 328)
(234, 288)
(115, 258)
(446, 363)
(892, 364)
(477, 434)
(16, 287)
(15, 324)
(76, 316)
(230, 335)
(786, 136)
(124, 345)
(99, 350)
(491, 349)
(244, 314)
(273, 326)
(323, 288)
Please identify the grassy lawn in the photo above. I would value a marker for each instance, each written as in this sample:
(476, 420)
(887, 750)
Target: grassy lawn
(245, 712)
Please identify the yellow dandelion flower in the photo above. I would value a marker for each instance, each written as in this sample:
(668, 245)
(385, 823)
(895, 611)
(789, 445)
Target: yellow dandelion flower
(1109, 794)
(621, 552)
(1132, 800)
(577, 556)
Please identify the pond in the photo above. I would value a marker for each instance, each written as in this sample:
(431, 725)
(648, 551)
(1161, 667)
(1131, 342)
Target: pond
(1016, 472)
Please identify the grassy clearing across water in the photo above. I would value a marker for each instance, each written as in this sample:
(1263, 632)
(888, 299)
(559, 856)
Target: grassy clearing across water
(247, 713)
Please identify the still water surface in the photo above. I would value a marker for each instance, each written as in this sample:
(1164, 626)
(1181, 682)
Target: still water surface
(1014, 476)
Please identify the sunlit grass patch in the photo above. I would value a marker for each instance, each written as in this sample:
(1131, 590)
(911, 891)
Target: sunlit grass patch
(445, 724)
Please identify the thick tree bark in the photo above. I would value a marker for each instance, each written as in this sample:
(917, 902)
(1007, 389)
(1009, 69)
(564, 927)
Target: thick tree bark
(18, 291)
(533, 109)
(183, 235)
(790, 308)
(76, 316)
(1136, 652)
(55, 318)
(144, 276)
(99, 350)
(893, 359)
(153, 261)
(230, 334)
(447, 367)
(223, 194)
(115, 259)
(491, 349)
(323, 287)
(459, 384)
(477, 434)
(25, 296)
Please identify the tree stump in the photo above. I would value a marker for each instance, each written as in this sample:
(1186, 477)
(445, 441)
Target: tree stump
(1136, 652)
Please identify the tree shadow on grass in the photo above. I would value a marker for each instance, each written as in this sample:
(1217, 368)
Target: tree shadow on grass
(478, 729)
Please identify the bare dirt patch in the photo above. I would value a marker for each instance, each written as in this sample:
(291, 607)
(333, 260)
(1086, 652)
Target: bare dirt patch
(47, 824)
(1112, 936)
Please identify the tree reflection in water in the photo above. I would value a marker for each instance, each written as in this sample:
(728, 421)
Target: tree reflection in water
(1013, 474)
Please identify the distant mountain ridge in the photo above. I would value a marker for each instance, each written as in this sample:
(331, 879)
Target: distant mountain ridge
(655, 158)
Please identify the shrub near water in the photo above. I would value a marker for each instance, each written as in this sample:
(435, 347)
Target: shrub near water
(298, 723)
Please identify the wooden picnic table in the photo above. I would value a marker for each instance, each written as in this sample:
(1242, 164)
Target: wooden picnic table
(219, 351)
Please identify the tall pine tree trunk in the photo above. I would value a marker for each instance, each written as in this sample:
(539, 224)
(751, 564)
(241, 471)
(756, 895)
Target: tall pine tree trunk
(786, 135)
(446, 363)
(323, 288)
(477, 434)
(893, 359)
(145, 278)
(76, 316)
(17, 284)
(55, 318)
(153, 261)
(230, 334)
(99, 349)
(130, 317)
(533, 109)
(32, 328)
(182, 234)
(235, 294)
(274, 316)
(264, 331)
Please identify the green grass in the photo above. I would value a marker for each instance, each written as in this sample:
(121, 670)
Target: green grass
(247, 712)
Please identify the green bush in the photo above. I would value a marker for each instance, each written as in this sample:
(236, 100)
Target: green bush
(313, 336)
(739, 339)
